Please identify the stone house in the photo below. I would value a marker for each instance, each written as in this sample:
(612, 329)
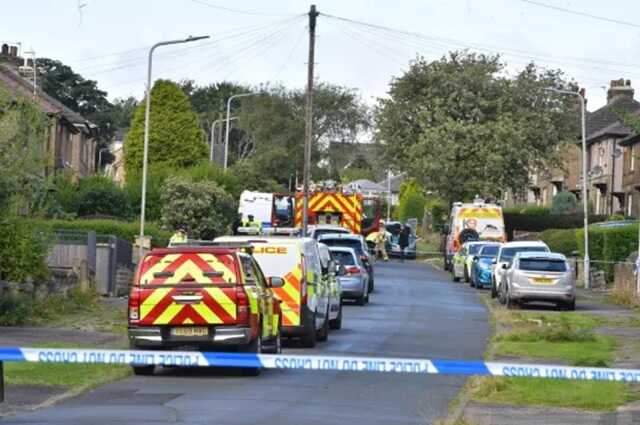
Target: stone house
(631, 174)
(70, 142)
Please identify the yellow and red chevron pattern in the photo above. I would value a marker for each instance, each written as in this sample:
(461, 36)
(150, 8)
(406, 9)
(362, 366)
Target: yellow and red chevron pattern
(289, 294)
(164, 279)
(348, 206)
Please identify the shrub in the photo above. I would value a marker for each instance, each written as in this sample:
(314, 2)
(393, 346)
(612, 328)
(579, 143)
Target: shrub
(527, 210)
(101, 196)
(122, 229)
(438, 210)
(412, 202)
(23, 250)
(204, 209)
(609, 245)
(539, 223)
(560, 240)
(564, 203)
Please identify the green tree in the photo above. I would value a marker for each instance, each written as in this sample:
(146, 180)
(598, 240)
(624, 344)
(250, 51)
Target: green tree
(175, 139)
(101, 196)
(22, 158)
(204, 209)
(412, 201)
(564, 203)
(462, 128)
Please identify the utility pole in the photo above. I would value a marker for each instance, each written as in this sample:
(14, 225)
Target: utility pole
(308, 117)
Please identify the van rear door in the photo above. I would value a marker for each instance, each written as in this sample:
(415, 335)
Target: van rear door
(188, 288)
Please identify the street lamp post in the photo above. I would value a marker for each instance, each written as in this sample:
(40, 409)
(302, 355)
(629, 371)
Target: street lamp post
(585, 200)
(145, 154)
(213, 132)
(226, 137)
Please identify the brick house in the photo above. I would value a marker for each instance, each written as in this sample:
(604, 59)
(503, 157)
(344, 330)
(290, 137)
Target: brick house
(631, 174)
(70, 141)
(608, 146)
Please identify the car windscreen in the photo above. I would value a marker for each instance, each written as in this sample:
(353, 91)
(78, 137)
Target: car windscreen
(343, 258)
(347, 243)
(474, 249)
(489, 250)
(507, 254)
(543, 265)
(320, 232)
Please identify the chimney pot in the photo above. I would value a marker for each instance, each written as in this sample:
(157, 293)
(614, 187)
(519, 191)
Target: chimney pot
(619, 88)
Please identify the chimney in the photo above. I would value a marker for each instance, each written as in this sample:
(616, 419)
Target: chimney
(13, 51)
(619, 88)
(5, 50)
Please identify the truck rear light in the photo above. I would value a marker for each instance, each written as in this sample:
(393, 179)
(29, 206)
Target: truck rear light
(134, 305)
(242, 305)
(352, 270)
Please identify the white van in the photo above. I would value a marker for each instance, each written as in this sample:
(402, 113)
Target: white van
(478, 221)
(305, 295)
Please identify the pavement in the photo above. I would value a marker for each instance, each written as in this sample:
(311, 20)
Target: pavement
(415, 312)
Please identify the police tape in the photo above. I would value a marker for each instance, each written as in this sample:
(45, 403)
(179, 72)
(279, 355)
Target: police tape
(313, 362)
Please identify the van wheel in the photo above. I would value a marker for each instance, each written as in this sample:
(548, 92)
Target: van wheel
(337, 322)
(143, 370)
(309, 339)
(323, 333)
(494, 291)
(255, 347)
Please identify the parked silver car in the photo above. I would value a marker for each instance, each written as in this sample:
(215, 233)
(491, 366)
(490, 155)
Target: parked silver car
(538, 276)
(352, 274)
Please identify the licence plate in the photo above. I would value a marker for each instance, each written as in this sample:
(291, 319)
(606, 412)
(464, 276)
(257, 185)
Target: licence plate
(543, 281)
(190, 331)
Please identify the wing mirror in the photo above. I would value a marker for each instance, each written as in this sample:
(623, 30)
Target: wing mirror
(505, 266)
(476, 258)
(276, 282)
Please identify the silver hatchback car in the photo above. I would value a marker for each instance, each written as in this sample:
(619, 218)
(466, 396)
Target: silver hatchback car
(538, 276)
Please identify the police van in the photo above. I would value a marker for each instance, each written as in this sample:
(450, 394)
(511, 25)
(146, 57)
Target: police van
(305, 295)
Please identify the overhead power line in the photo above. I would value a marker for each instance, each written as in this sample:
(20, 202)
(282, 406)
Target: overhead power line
(584, 14)
(243, 12)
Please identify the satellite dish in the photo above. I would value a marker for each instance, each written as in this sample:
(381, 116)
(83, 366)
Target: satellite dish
(596, 171)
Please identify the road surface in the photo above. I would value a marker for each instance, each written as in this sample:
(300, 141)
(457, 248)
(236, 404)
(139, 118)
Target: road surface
(415, 312)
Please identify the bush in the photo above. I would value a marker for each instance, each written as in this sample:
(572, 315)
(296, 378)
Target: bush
(439, 211)
(122, 229)
(560, 240)
(204, 209)
(21, 309)
(412, 202)
(101, 196)
(610, 245)
(527, 210)
(564, 203)
(540, 223)
(23, 250)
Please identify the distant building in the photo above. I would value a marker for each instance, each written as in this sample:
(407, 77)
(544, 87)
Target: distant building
(396, 182)
(70, 143)
(365, 187)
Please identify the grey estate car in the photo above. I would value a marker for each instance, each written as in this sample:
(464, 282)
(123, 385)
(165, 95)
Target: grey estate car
(538, 276)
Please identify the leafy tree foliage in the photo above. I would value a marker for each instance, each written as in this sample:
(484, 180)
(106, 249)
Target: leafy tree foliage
(564, 203)
(175, 139)
(102, 197)
(462, 128)
(22, 132)
(412, 201)
(205, 209)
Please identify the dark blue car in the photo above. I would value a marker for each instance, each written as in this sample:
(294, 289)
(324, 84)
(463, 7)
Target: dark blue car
(482, 266)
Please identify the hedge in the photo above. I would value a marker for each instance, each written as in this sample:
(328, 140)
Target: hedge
(560, 240)
(527, 210)
(540, 223)
(122, 229)
(612, 244)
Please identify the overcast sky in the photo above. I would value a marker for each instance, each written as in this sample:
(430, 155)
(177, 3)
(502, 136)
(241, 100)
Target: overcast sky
(107, 40)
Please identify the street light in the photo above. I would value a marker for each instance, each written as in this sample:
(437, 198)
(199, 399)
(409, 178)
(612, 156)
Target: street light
(226, 137)
(213, 132)
(145, 154)
(585, 208)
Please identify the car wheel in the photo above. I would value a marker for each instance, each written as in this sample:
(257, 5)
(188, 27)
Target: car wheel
(309, 340)
(275, 347)
(466, 275)
(502, 295)
(337, 322)
(494, 291)
(371, 286)
(143, 370)
(570, 306)
(508, 302)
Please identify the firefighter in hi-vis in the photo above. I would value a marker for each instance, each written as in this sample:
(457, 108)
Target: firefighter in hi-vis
(381, 240)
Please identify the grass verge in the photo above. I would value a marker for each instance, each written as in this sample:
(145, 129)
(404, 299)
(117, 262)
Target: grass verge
(77, 377)
(565, 337)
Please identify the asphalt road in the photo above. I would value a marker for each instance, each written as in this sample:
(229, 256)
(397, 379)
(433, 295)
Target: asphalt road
(415, 312)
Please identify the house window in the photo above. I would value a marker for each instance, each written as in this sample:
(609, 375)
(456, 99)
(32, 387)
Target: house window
(629, 203)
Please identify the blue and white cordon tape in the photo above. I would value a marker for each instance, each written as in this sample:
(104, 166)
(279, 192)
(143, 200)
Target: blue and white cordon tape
(314, 362)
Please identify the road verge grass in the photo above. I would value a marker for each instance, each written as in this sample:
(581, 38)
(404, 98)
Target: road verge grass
(556, 337)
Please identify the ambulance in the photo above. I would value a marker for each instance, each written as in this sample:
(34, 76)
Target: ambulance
(477, 221)
(305, 295)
